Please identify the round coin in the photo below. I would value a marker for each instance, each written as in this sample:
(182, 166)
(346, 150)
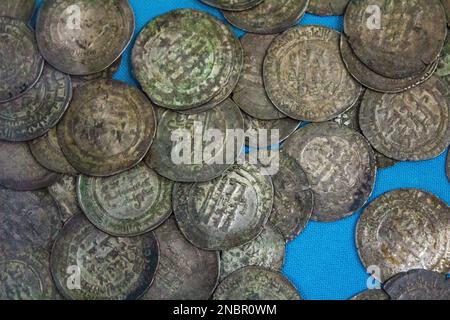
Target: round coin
(373, 294)
(64, 192)
(17, 9)
(237, 5)
(78, 81)
(327, 7)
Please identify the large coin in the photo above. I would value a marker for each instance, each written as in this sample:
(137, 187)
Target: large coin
(339, 164)
(413, 125)
(20, 171)
(64, 192)
(184, 272)
(388, 38)
(108, 128)
(271, 16)
(108, 268)
(256, 283)
(78, 81)
(21, 63)
(405, 229)
(227, 212)
(237, 5)
(183, 58)
(128, 204)
(18, 9)
(82, 37)
(327, 7)
(305, 77)
(183, 149)
(373, 294)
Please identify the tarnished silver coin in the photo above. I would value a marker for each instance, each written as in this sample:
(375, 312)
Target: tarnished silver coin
(17, 9)
(446, 4)
(108, 73)
(20, 171)
(184, 272)
(226, 212)
(305, 77)
(373, 294)
(82, 37)
(64, 192)
(327, 7)
(443, 68)
(405, 229)
(256, 283)
(340, 166)
(413, 125)
(109, 268)
(127, 204)
(237, 5)
(21, 63)
(269, 17)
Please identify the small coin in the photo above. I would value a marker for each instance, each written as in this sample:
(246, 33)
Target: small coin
(108, 128)
(21, 64)
(226, 212)
(419, 284)
(405, 229)
(82, 37)
(108, 73)
(127, 204)
(399, 45)
(109, 268)
(305, 77)
(20, 171)
(237, 5)
(269, 17)
(184, 272)
(18, 9)
(64, 192)
(373, 294)
(256, 283)
(406, 126)
(182, 59)
(327, 7)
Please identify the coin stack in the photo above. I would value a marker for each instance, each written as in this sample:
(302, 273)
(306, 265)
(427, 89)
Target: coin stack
(94, 205)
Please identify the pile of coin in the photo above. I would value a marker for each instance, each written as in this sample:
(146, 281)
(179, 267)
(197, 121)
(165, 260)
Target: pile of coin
(104, 194)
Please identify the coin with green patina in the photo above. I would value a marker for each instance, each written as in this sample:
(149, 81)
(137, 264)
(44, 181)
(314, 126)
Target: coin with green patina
(17, 9)
(443, 68)
(327, 7)
(108, 73)
(373, 294)
(109, 268)
(235, 5)
(127, 204)
(64, 192)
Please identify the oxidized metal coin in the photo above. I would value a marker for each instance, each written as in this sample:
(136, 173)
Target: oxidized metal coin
(21, 63)
(184, 272)
(182, 59)
(18, 9)
(20, 171)
(108, 128)
(108, 73)
(109, 268)
(127, 204)
(373, 294)
(227, 212)
(82, 37)
(413, 125)
(340, 165)
(446, 4)
(269, 17)
(237, 5)
(405, 229)
(397, 44)
(305, 77)
(443, 68)
(327, 7)
(186, 148)
(256, 283)
(64, 192)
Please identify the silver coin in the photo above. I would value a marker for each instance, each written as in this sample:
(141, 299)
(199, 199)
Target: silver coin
(17, 9)
(64, 192)
(373, 294)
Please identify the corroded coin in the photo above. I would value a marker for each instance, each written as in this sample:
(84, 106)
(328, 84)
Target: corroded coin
(443, 68)
(237, 5)
(184, 272)
(339, 164)
(256, 283)
(446, 4)
(64, 192)
(18, 9)
(108, 73)
(226, 212)
(395, 43)
(413, 125)
(185, 148)
(182, 59)
(108, 128)
(82, 37)
(405, 229)
(21, 63)
(269, 17)
(20, 171)
(327, 7)
(127, 204)
(373, 294)
(305, 77)
(109, 268)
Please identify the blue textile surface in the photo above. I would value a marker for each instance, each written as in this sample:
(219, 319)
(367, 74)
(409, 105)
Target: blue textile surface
(322, 262)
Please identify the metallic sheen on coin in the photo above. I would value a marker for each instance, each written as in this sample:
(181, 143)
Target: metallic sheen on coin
(237, 5)
(327, 7)
(64, 192)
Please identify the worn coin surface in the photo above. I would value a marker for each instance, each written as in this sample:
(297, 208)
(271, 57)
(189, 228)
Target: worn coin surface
(256, 283)
(127, 204)
(110, 268)
(21, 63)
(183, 58)
(327, 7)
(405, 229)
(64, 192)
(269, 17)
(82, 37)
(237, 5)
(226, 212)
(399, 45)
(305, 77)
(446, 4)
(108, 128)
(108, 73)
(412, 125)
(18, 9)
(184, 272)
(443, 68)
(373, 294)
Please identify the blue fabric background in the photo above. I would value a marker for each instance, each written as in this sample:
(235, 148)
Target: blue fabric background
(322, 262)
